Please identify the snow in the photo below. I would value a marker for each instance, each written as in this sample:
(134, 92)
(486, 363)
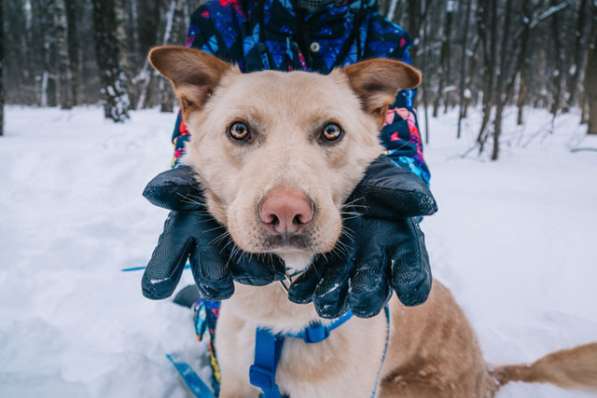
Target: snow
(514, 240)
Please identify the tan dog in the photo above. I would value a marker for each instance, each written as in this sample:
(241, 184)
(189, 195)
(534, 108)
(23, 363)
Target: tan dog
(278, 154)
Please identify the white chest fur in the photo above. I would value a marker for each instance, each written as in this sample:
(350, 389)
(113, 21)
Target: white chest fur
(344, 365)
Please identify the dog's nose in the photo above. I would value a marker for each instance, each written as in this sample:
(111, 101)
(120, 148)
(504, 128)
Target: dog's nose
(285, 210)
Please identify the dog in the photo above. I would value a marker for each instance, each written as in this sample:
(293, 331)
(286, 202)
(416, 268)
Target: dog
(277, 155)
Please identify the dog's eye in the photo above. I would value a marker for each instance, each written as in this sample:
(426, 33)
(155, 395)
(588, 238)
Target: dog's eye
(331, 132)
(239, 131)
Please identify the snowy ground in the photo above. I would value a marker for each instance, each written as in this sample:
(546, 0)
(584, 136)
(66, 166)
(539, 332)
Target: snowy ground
(515, 240)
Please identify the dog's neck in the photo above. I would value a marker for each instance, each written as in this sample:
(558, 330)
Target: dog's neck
(268, 306)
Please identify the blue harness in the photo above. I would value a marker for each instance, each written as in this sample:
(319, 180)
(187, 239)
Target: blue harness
(268, 349)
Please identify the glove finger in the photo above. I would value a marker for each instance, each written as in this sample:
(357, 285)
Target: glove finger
(167, 262)
(211, 273)
(411, 272)
(256, 270)
(302, 288)
(389, 191)
(369, 286)
(331, 293)
(176, 189)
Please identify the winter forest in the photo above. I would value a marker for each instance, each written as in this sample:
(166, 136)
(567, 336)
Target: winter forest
(488, 55)
(508, 114)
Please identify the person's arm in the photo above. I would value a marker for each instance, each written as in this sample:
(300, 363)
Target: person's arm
(401, 135)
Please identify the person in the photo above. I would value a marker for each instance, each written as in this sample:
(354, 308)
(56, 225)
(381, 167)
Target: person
(388, 249)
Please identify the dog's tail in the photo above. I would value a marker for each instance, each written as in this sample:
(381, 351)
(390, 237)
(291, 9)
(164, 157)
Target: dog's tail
(575, 368)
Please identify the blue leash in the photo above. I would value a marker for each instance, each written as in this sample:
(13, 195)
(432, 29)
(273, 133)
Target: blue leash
(190, 378)
(141, 268)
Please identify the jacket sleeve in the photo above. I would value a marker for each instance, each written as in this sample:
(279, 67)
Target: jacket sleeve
(401, 135)
(200, 35)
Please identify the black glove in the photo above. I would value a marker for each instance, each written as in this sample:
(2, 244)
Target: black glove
(191, 233)
(381, 248)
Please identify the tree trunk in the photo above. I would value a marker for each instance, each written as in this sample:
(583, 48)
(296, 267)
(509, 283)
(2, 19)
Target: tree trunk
(521, 67)
(1, 68)
(579, 53)
(64, 68)
(444, 74)
(503, 75)
(171, 18)
(490, 59)
(559, 62)
(113, 81)
(451, 9)
(463, 61)
(72, 16)
(45, 19)
(591, 79)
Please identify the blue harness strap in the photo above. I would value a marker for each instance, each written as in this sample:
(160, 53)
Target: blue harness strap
(262, 374)
(317, 332)
(268, 349)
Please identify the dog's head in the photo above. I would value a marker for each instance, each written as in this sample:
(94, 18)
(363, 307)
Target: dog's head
(279, 153)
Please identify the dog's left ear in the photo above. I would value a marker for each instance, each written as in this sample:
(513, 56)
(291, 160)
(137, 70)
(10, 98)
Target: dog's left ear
(377, 81)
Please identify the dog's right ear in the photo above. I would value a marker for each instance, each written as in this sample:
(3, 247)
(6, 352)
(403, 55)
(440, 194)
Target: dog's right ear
(194, 74)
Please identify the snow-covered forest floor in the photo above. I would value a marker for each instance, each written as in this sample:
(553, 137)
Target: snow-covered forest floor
(516, 241)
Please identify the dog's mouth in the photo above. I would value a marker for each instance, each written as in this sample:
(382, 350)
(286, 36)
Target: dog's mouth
(284, 243)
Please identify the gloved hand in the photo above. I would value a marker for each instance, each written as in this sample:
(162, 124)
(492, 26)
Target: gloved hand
(191, 233)
(381, 248)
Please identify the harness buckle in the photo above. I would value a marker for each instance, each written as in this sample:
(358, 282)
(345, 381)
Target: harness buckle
(316, 333)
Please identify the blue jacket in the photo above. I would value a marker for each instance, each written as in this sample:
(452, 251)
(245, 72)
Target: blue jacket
(273, 34)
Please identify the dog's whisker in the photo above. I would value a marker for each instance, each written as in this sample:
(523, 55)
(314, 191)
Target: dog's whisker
(220, 238)
(192, 200)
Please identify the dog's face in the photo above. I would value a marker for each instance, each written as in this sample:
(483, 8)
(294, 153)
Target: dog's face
(279, 153)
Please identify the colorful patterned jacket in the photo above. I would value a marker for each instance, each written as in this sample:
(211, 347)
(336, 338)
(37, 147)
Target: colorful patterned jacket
(273, 34)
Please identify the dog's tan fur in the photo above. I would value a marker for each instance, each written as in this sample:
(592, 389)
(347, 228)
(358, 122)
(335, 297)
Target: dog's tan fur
(434, 352)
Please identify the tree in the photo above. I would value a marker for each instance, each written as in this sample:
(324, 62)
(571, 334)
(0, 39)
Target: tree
(107, 54)
(72, 12)
(463, 98)
(580, 51)
(172, 34)
(44, 18)
(500, 97)
(591, 76)
(63, 59)
(487, 13)
(559, 62)
(1, 68)
(445, 70)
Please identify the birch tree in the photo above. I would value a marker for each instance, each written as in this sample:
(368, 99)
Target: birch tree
(1, 68)
(73, 11)
(580, 51)
(113, 81)
(63, 58)
(463, 97)
(591, 75)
